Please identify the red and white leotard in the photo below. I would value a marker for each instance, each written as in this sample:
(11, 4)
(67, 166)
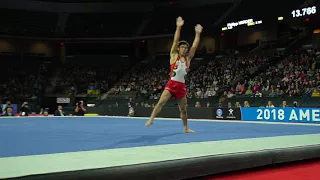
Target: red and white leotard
(176, 84)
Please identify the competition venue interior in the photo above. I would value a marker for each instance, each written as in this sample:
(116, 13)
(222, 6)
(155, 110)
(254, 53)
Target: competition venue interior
(81, 78)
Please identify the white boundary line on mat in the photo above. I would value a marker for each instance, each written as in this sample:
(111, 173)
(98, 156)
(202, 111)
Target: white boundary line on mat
(213, 120)
(172, 119)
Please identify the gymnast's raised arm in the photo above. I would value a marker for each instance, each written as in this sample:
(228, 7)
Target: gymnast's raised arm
(176, 39)
(195, 44)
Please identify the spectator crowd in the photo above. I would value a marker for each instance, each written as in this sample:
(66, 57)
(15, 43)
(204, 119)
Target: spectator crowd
(21, 82)
(294, 75)
(234, 75)
(91, 78)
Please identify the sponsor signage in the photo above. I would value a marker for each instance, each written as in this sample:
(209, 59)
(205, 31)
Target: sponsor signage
(63, 100)
(227, 113)
(305, 115)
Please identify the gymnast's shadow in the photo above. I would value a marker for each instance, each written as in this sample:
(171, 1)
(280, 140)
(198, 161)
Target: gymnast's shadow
(141, 140)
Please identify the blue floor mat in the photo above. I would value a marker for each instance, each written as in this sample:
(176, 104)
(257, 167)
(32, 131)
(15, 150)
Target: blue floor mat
(35, 136)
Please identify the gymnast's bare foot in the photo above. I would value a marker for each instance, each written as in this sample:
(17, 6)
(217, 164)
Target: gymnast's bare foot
(148, 123)
(188, 131)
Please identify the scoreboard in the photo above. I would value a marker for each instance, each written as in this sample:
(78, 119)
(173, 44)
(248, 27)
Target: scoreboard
(304, 12)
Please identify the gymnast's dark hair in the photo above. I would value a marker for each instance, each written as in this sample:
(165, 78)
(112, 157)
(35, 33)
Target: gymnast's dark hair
(183, 43)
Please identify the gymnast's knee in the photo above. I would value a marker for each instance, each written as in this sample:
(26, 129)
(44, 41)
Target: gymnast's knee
(183, 110)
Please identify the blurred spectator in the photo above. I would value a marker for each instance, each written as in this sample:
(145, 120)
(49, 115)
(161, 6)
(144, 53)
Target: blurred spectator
(315, 93)
(9, 112)
(80, 109)
(246, 104)
(25, 110)
(131, 111)
(284, 104)
(237, 105)
(270, 105)
(59, 111)
(5, 108)
(258, 94)
(45, 113)
(197, 104)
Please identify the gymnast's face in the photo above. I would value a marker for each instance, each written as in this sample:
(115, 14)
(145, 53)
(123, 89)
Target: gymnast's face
(183, 49)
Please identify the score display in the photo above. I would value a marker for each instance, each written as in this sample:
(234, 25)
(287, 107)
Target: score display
(304, 12)
(248, 22)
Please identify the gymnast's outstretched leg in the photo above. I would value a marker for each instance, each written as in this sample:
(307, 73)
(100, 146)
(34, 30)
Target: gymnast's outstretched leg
(165, 96)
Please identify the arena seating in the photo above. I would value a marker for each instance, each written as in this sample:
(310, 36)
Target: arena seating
(99, 73)
(25, 79)
(206, 78)
(209, 77)
(295, 75)
(256, 76)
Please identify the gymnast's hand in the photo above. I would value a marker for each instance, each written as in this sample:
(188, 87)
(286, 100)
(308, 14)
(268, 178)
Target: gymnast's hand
(198, 28)
(180, 22)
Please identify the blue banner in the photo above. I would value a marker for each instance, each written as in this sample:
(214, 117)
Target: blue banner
(305, 115)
